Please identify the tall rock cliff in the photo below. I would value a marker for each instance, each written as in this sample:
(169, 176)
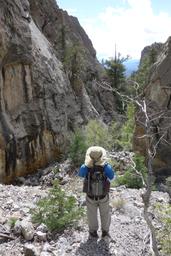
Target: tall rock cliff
(154, 49)
(157, 94)
(41, 99)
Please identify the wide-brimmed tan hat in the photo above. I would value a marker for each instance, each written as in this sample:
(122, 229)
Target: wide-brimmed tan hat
(95, 155)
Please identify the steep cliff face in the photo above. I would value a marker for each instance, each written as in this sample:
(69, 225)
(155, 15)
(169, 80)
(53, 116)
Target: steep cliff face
(60, 28)
(158, 97)
(38, 104)
(75, 50)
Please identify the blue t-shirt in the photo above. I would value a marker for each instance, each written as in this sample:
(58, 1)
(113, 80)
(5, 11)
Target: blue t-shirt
(108, 171)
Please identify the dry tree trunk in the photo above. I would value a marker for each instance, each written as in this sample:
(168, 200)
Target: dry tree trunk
(151, 151)
(147, 194)
(146, 201)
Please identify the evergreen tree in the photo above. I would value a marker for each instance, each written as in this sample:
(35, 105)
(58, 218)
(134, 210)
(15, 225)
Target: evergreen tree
(115, 70)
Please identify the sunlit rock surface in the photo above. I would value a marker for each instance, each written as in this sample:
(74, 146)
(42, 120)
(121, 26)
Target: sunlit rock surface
(38, 103)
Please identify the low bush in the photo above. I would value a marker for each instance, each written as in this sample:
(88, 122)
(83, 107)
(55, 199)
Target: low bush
(131, 178)
(128, 128)
(77, 148)
(57, 210)
(121, 133)
(97, 133)
(12, 221)
(94, 133)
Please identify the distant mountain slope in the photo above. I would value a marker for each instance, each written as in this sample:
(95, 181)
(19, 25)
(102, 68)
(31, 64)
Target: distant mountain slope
(131, 65)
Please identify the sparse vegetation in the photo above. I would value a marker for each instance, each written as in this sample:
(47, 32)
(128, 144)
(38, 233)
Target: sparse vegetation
(141, 76)
(94, 133)
(164, 234)
(116, 136)
(128, 128)
(132, 178)
(74, 61)
(122, 133)
(56, 170)
(12, 221)
(97, 133)
(57, 210)
(115, 131)
(77, 147)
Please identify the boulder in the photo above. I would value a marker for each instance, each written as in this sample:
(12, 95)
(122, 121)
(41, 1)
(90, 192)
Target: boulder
(25, 228)
(31, 250)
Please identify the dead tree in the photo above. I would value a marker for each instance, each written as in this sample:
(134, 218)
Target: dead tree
(151, 145)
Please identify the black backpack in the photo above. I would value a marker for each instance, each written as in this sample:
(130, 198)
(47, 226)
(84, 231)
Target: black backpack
(96, 183)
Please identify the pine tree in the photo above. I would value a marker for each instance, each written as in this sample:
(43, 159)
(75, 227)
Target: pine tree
(115, 70)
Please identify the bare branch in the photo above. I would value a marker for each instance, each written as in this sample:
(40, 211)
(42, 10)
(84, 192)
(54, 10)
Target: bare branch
(146, 121)
(159, 140)
(137, 172)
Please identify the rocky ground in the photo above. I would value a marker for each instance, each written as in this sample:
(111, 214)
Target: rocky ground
(129, 232)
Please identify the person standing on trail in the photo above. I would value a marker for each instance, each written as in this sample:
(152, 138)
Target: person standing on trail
(97, 174)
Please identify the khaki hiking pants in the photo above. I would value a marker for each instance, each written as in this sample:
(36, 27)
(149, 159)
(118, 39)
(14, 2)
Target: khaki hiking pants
(105, 213)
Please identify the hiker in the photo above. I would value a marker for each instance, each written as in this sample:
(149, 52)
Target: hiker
(97, 173)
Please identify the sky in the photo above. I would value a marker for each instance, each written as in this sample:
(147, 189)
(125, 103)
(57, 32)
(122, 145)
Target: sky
(130, 25)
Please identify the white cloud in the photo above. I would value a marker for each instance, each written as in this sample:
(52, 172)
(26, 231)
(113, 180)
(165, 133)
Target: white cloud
(131, 29)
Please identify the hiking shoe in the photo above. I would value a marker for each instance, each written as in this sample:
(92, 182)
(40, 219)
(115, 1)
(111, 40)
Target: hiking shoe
(93, 234)
(105, 233)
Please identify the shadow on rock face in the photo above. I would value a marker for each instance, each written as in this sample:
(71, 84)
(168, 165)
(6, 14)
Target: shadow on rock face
(162, 174)
(163, 180)
(94, 246)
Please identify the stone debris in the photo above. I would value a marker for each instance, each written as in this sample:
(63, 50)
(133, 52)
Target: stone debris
(31, 250)
(41, 236)
(129, 232)
(25, 228)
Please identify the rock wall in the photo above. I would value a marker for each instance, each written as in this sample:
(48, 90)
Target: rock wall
(154, 48)
(157, 94)
(65, 33)
(38, 104)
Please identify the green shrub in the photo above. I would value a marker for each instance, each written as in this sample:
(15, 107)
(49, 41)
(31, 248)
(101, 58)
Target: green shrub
(115, 133)
(94, 133)
(12, 221)
(141, 76)
(164, 234)
(131, 179)
(74, 61)
(122, 133)
(128, 128)
(55, 170)
(97, 133)
(115, 71)
(57, 210)
(77, 147)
